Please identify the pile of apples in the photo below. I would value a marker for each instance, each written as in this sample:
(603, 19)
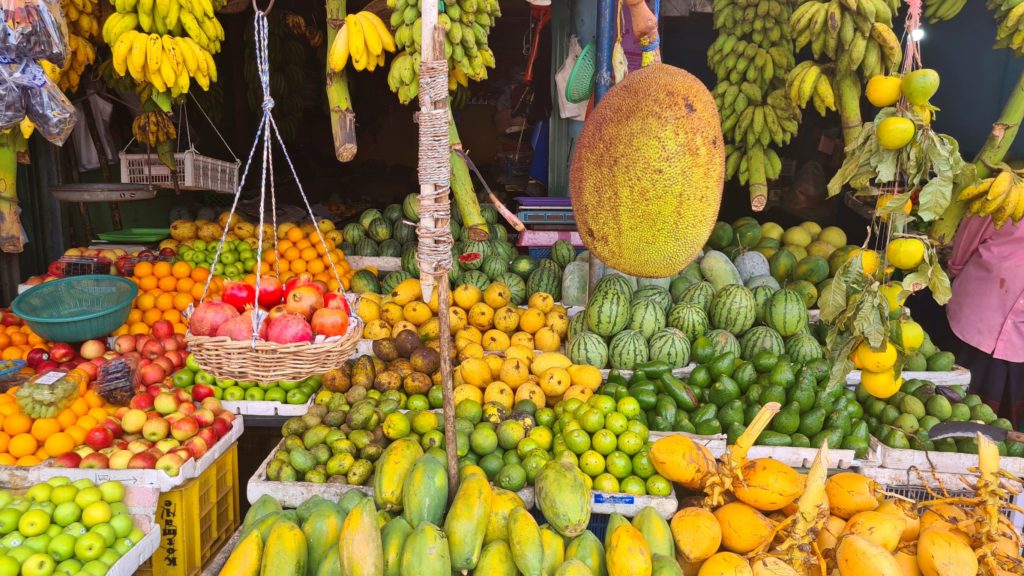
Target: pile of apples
(118, 258)
(159, 353)
(160, 429)
(297, 311)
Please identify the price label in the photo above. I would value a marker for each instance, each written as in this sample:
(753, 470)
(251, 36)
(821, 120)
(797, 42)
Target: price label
(50, 378)
(601, 498)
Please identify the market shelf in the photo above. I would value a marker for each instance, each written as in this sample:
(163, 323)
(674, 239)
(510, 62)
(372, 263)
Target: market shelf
(925, 461)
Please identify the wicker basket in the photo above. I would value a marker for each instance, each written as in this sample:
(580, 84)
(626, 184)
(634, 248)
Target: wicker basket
(195, 172)
(270, 362)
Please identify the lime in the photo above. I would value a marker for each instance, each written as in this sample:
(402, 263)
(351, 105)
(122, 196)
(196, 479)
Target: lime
(558, 445)
(642, 465)
(464, 426)
(631, 443)
(592, 420)
(470, 410)
(542, 436)
(616, 422)
(577, 441)
(432, 439)
(568, 457)
(533, 462)
(568, 407)
(619, 464)
(435, 396)
(512, 477)
(606, 404)
(604, 442)
(396, 426)
(545, 417)
(461, 444)
(591, 463)
(483, 440)
(633, 485)
(583, 408)
(657, 485)
(510, 432)
(424, 422)
(570, 424)
(511, 457)
(606, 483)
(629, 407)
(468, 459)
(639, 428)
(491, 464)
(525, 446)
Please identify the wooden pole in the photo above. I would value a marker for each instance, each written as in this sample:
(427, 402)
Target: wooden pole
(343, 118)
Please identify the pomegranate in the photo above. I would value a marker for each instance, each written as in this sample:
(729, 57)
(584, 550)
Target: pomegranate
(331, 297)
(271, 291)
(331, 321)
(289, 329)
(240, 328)
(276, 311)
(239, 295)
(209, 316)
(303, 301)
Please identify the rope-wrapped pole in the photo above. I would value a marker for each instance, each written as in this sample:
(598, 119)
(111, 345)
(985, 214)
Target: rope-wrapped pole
(434, 251)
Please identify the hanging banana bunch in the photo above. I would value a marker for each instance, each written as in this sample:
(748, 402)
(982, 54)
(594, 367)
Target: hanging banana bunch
(363, 38)
(1009, 16)
(83, 18)
(153, 129)
(751, 58)
(939, 10)
(1000, 196)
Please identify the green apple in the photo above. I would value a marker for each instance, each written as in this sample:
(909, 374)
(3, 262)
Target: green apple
(109, 536)
(122, 525)
(39, 493)
(21, 553)
(234, 394)
(96, 513)
(62, 494)
(123, 545)
(9, 566)
(118, 508)
(54, 529)
(83, 483)
(5, 497)
(67, 513)
(38, 544)
(38, 565)
(62, 547)
(9, 520)
(136, 535)
(59, 481)
(90, 546)
(69, 567)
(112, 491)
(12, 540)
(20, 504)
(34, 522)
(95, 568)
(88, 496)
(47, 507)
(76, 529)
(110, 557)
(191, 364)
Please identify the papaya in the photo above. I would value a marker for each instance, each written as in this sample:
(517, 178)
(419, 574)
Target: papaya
(574, 568)
(725, 564)
(321, 530)
(311, 505)
(525, 540)
(697, 534)
(587, 549)
(496, 560)
(330, 564)
(285, 551)
(261, 507)
(246, 558)
(426, 552)
(359, 545)
(563, 497)
(348, 501)
(466, 523)
(425, 493)
(665, 566)
(655, 531)
(614, 521)
(393, 538)
(265, 524)
(392, 468)
(502, 502)
(627, 553)
(554, 550)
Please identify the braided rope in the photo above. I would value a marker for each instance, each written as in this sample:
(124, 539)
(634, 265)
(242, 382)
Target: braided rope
(434, 250)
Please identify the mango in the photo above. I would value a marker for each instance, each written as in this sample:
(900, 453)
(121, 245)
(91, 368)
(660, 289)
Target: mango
(656, 532)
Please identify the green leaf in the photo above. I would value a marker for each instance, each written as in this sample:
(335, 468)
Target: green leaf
(833, 299)
(887, 166)
(939, 284)
(916, 281)
(841, 364)
(935, 197)
(869, 322)
(162, 100)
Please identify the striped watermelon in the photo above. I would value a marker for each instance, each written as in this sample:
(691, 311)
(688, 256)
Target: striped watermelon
(659, 294)
(502, 249)
(588, 348)
(722, 342)
(562, 253)
(670, 346)
(494, 266)
(759, 339)
(499, 232)
(409, 262)
(577, 325)
(786, 312)
(379, 230)
(550, 264)
(690, 319)
(627, 349)
(733, 309)
(481, 247)
(523, 266)
(455, 272)
(366, 247)
(646, 317)
(699, 293)
(544, 279)
(608, 313)
(761, 296)
(616, 282)
(392, 280)
(404, 232)
(393, 212)
(803, 348)
(516, 286)
(765, 280)
(390, 248)
(476, 278)
(353, 232)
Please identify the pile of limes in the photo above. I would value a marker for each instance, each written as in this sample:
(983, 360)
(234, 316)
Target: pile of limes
(237, 258)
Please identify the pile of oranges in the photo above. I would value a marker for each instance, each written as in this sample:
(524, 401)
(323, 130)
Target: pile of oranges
(16, 341)
(165, 291)
(27, 442)
(300, 251)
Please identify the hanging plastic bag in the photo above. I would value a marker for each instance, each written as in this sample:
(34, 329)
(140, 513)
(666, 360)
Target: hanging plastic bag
(13, 108)
(45, 105)
(35, 30)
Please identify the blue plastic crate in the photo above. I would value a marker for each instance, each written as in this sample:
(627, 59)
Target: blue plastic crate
(540, 252)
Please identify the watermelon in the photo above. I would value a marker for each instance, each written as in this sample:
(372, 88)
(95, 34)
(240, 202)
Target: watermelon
(646, 317)
(689, 319)
(760, 339)
(607, 313)
(562, 253)
(502, 250)
(393, 212)
(353, 233)
(545, 280)
(368, 216)
(803, 348)
(483, 248)
(627, 349)
(786, 312)
(494, 266)
(404, 232)
(392, 280)
(411, 207)
(549, 264)
(390, 248)
(813, 269)
(490, 214)
(499, 233)
(476, 278)
(523, 266)
(679, 283)
(750, 264)
(589, 349)
(722, 342)
(455, 272)
(700, 294)
(455, 228)
(733, 309)
(657, 293)
(409, 262)
(764, 280)
(577, 325)
(365, 281)
(722, 235)
(781, 265)
(575, 282)
(761, 296)
(366, 247)
(471, 260)
(347, 247)
(379, 230)
(670, 346)
(616, 282)
(516, 286)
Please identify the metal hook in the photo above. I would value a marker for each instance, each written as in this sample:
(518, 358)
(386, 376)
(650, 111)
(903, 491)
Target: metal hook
(270, 6)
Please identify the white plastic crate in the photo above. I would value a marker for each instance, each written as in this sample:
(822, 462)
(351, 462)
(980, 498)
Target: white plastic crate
(195, 172)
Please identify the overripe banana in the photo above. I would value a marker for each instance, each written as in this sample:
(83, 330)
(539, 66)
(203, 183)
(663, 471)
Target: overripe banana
(153, 129)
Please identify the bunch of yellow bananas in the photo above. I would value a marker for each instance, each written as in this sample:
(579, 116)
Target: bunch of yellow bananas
(939, 10)
(1010, 24)
(855, 34)
(365, 39)
(174, 17)
(153, 128)
(167, 62)
(82, 54)
(808, 82)
(1001, 197)
(83, 17)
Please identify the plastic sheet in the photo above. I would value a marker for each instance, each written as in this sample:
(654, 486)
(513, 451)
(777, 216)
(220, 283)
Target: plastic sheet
(34, 30)
(40, 99)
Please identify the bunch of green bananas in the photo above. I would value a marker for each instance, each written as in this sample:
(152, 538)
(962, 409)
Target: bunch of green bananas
(467, 25)
(736, 60)
(365, 38)
(1001, 197)
(83, 17)
(808, 82)
(855, 34)
(153, 129)
(174, 17)
(762, 21)
(165, 62)
(1009, 16)
(939, 10)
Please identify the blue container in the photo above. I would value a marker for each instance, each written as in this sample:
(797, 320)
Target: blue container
(78, 308)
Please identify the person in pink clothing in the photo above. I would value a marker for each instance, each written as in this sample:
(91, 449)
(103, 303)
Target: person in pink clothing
(986, 311)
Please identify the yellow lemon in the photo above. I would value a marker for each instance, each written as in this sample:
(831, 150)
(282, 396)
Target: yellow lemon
(894, 295)
(909, 335)
(880, 384)
(895, 132)
(883, 91)
(876, 360)
(869, 260)
(883, 200)
(905, 253)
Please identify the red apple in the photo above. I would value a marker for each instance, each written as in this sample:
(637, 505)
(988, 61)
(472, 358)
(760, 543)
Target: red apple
(139, 446)
(61, 352)
(133, 420)
(181, 341)
(184, 428)
(114, 426)
(154, 415)
(152, 374)
(166, 402)
(120, 412)
(121, 443)
(173, 417)
(187, 408)
(176, 358)
(167, 444)
(182, 453)
(183, 396)
(204, 417)
(119, 460)
(154, 390)
(197, 447)
(108, 451)
(69, 460)
(140, 341)
(200, 392)
(209, 436)
(141, 402)
(227, 415)
(92, 349)
(129, 438)
(47, 366)
(165, 363)
(142, 461)
(36, 356)
(90, 368)
(124, 343)
(169, 344)
(162, 329)
(83, 451)
(99, 438)
(95, 460)
(170, 464)
(220, 427)
(212, 403)
(155, 430)
(152, 349)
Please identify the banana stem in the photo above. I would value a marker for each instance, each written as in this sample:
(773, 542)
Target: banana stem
(848, 103)
(758, 180)
(738, 452)
(998, 143)
(462, 188)
(10, 222)
(343, 118)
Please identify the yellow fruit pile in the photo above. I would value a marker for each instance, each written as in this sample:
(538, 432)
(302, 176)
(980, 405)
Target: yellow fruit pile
(26, 442)
(544, 379)
(876, 366)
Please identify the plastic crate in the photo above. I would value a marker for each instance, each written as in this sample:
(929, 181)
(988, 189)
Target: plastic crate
(84, 265)
(195, 172)
(196, 519)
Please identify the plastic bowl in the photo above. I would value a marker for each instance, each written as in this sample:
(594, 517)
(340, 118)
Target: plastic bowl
(78, 308)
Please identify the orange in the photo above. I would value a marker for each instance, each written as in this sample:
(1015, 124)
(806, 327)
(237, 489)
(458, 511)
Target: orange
(87, 422)
(167, 283)
(145, 302)
(41, 454)
(6, 398)
(80, 407)
(5, 340)
(12, 329)
(94, 401)
(143, 269)
(19, 339)
(297, 266)
(43, 428)
(162, 269)
(250, 279)
(172, 316)
(59, 443)
(315, 266)
(264, 268)
(5, 439)
(22, 445)
(320, 248)
(11, 353)
(181, 269)
(197, 291)
(164, 302)
(77, 433)
(182, 301)
(200, 274)
(67, 418)
(346, 282)
(333, 284)
(282, 267)
(294, 234)
(7, 410)
(28, 461)
(17, 423)
(152, 315)
(291, 254)
(35, 340)
(184, 285)
(303, 244)
(283, 245)
(134, 316)
(148, 283)
(270, 256)
(139, 328)
(180, 329)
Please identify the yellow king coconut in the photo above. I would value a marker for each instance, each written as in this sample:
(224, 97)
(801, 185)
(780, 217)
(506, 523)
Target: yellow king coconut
(942, 553)
(882, 529)
(683, 461)
(830, 532)
(771, 566)
(768, 484)
(912, 520)
(906, 557)
(849, 493)
(858, 556)
(725, 564)
(696, 533)
(744, 529)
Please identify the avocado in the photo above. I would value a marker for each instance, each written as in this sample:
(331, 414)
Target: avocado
(912, 406)
(708, 427)
(750, 413)
(772, 438)
(889, 415)
(960, 412)
(916, 363)
(774, 393)
(782, 375)
(315, 436)
(972, 400)
(724, 390)
(897, 439)
(753, 393)
(941, 362)
(733, 432)
(731, 412)
(907, 423)
(945, 445)
(803, 394)
(812, 422)
(787, 421)
(984, 413)
(939, 407)
(722, 365)
(927, 422)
